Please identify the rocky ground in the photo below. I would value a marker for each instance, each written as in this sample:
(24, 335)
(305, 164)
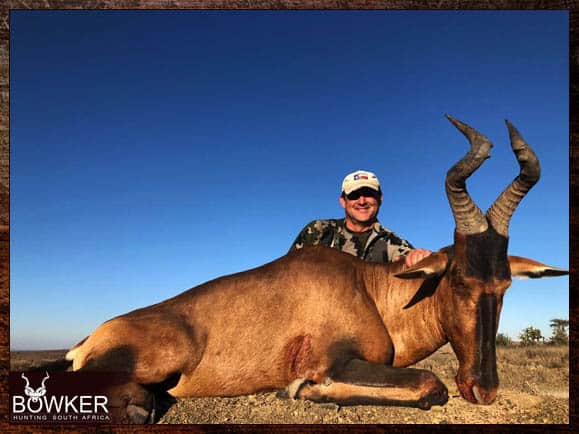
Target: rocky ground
(534, 390)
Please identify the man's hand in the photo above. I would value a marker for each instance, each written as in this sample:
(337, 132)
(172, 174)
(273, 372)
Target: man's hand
(414, 256)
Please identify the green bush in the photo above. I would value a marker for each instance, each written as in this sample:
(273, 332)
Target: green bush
(503, 340)
(560, 335)
(531, 336)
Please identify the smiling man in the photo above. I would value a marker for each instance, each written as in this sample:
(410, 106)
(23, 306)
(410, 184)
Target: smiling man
(360, 233)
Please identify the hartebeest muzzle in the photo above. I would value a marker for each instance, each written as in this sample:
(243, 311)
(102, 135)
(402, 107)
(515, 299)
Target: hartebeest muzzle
(479, 384)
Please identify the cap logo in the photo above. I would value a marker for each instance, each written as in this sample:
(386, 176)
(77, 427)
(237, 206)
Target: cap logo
(356, 177)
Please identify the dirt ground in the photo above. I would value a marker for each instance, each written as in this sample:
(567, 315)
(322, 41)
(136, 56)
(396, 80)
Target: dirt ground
(534, 389)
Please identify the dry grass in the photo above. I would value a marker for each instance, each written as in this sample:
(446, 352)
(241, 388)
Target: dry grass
(542, 355)
(534, 370)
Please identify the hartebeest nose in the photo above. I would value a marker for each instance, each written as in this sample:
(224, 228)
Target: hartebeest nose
(484, 396)
(475, 393)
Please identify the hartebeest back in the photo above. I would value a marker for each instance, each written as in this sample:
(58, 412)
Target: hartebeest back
(330, 327)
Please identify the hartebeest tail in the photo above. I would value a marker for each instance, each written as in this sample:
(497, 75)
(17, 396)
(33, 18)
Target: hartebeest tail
(330, 327)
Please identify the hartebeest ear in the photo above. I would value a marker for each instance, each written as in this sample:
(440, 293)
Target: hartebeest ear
(431, 266)
(524, 268)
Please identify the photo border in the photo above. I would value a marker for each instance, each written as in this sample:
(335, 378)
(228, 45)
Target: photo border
(12, 5)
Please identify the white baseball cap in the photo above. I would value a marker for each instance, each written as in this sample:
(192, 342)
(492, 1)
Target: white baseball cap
(359, 179)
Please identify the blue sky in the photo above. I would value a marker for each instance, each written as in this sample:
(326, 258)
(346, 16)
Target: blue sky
(153, 151)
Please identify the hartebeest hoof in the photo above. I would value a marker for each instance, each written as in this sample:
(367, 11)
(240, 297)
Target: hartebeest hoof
(132, 404)
(434, 391)
(140, 415)
(293, 390)
(436, 396)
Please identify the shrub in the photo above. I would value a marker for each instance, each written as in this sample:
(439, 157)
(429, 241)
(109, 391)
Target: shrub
(531, 336)
(503, 340)
(560, 335)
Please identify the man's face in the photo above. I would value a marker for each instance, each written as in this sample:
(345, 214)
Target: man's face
(361, 205)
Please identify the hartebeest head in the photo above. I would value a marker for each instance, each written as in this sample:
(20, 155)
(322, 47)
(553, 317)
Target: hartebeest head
(475, 272)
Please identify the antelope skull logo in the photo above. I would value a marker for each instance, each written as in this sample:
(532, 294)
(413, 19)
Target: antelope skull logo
(35, 394)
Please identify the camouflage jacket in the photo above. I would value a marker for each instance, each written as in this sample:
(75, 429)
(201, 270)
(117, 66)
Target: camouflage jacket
(382, 245)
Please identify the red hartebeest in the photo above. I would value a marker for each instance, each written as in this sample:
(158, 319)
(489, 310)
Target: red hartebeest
(330, 327)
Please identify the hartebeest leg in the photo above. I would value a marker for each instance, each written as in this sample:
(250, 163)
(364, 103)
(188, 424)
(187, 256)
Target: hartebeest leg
(361, 382)
(132, 403)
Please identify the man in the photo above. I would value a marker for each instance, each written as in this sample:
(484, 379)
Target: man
(360, 233)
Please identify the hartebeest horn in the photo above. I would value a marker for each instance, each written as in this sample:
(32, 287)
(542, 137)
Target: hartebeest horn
(468, 218)
(501, 211)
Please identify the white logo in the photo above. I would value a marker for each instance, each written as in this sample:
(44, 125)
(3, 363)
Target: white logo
(36, 406)
(33, 394)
